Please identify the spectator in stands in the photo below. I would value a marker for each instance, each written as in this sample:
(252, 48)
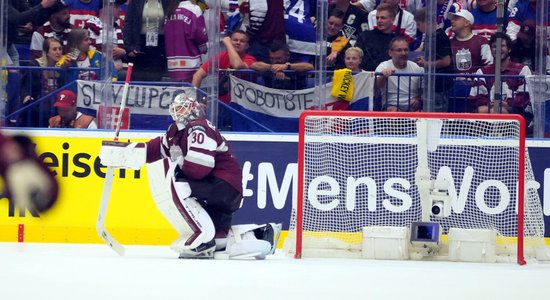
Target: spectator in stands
(353, 58)
(21, 14)
(337, 40)
(522, 31)
(58, 26)
(38, 83)
(94, 25)
(403, 23)
(144, 38)
(399, 93)
(186, 38)
(231, 17)
(443, 8)
(82, 10)
(266, 25)
(235, 57)
(355, 20)
(122, 8)
(470, 51)
(300, 29)
(515, 97)
(441, 62)
(485, 16)
(68, 115)
(79, 55)
(273, 73)
(375, 42)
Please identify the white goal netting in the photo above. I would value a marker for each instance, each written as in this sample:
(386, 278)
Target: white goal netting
(359, 170)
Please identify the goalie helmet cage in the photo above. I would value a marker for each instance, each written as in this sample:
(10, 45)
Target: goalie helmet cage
(357, 169)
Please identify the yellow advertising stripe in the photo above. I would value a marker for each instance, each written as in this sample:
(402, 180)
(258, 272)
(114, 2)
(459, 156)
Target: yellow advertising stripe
(132, 217)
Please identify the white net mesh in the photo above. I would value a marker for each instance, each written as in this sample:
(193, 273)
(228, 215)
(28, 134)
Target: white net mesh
(360, 171)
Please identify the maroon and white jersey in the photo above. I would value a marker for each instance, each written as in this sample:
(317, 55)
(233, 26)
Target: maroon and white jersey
(513, 89)
(200, 150)
(43, 32)
(471, 54)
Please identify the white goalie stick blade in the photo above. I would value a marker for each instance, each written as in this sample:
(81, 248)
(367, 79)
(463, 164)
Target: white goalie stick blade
(100, 225)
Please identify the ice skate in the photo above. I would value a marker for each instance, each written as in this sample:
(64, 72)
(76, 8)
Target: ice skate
(203, 251)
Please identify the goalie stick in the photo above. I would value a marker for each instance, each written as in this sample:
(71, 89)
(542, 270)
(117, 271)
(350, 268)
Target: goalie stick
(109, 176)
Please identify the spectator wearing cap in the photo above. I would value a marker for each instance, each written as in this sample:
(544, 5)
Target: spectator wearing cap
(444, 7)
(68, 116)
(470, 51)
(58, 26)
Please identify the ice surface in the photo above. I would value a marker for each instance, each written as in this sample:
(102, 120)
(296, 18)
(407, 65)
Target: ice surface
(76, 271)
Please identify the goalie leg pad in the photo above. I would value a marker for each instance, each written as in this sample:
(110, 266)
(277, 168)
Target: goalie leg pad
(184, 213)
(200, 223)
(159, 184)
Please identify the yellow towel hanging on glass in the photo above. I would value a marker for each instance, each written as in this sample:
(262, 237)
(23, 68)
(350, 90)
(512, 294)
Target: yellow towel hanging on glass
(342, 84)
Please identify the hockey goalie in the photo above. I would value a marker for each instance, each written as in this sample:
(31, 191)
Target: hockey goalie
(196, 183)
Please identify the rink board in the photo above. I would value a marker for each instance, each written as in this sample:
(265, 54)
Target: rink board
(269, 170)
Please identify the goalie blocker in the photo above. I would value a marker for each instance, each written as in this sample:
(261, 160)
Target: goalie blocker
(196, 183)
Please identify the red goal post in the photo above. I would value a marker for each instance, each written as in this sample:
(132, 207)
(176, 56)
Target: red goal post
(372, 158)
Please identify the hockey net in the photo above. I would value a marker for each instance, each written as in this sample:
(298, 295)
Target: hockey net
(357, 169)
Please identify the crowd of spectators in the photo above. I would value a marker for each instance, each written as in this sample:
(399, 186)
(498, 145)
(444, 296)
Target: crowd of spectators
(167, 41)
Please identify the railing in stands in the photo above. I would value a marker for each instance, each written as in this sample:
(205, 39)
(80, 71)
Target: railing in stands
(459, 87)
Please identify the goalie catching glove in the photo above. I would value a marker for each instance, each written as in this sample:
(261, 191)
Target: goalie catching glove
(123, 155)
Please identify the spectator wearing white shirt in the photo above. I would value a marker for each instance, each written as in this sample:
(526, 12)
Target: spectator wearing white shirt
(399, 93)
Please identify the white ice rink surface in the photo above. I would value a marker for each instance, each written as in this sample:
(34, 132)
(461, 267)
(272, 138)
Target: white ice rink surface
(69, 271)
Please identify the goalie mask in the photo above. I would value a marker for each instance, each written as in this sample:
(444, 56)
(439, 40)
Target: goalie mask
(184, 109)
